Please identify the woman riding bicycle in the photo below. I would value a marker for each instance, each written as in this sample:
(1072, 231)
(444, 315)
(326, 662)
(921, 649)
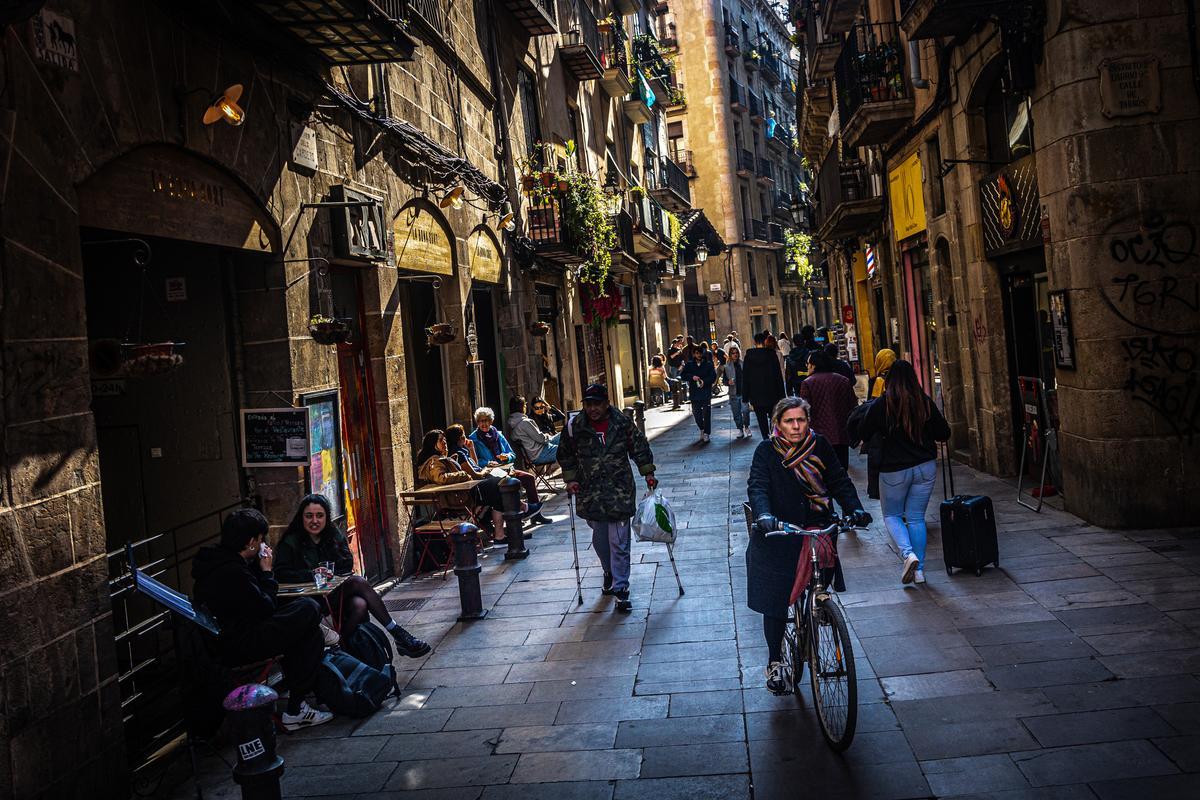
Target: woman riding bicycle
(794, 478)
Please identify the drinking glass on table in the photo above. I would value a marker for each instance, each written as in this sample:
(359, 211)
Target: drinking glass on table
(328, 566)
(320, 578)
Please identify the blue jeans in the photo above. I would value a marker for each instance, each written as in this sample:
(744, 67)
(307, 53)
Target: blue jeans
(549, 453)
(611, 542)
(904, 496)
(740, 410)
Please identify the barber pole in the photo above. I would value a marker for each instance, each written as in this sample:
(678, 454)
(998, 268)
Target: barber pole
(870, 253)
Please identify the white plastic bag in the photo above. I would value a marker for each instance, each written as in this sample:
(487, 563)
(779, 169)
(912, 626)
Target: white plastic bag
(654, 520)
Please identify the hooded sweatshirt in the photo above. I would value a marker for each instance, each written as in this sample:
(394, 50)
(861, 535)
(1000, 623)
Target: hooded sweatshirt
(237, 593)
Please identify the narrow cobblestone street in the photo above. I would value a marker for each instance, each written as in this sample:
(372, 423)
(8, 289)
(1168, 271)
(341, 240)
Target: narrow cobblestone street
(1070, 672)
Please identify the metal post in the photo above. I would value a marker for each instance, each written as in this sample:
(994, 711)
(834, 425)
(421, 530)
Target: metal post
(639, 415)
(466, 567)
(258, 767)
(510, 498)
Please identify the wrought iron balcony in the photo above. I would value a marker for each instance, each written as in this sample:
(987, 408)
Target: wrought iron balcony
(751, 57)
(665, 30)
(756, 111)
(874, 96)
(348, 31)
(737, 98)
(822, 47)
(931, 19)
(623, 222)
(539, 17)
(771, 71)
(781, 206)
(672, 189)
(683, 159)
(776, 233)
(580, 48)
(847, 204)
(766, 172)
(636, 107)
(745, 163)
(838, 15)
(552, 238)
(614, 59)
(650, 228)
(647, 55)
(733, 42)
(757, 231)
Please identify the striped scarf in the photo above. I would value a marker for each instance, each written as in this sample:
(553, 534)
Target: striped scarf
(802, 460)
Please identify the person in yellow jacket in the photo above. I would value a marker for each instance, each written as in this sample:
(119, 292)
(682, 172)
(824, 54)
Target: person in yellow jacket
(883, 362)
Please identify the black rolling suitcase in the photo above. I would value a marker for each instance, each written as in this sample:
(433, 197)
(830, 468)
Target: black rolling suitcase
(968, 527)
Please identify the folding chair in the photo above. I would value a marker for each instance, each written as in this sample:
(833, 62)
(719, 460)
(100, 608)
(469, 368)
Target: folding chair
(436, 527)
(544, 474)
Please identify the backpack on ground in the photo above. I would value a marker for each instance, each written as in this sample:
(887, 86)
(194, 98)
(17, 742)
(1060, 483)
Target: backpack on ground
(369, 645)
(351, 688)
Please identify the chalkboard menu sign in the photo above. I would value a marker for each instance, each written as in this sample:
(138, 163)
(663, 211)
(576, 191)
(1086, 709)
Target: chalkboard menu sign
(275, 437)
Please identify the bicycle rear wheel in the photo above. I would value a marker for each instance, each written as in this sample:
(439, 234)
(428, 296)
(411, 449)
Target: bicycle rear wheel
(832, 675)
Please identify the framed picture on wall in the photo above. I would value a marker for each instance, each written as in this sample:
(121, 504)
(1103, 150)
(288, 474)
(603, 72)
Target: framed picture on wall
(1062, 336)
(324, 449)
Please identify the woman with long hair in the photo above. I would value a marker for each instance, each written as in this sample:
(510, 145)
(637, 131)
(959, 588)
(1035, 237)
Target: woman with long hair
(910, 425)
(795, 477)
(434, 465)
(312, 539)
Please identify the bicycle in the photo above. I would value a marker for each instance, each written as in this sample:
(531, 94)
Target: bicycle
(817, 633)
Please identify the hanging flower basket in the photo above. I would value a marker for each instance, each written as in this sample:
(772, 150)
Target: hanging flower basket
(327, 331)
(439, 334)
(539, 328)
(150, 359)
(528, 183)
(549, 179)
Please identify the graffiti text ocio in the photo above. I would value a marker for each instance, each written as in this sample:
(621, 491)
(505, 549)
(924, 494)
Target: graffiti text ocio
(1161, 243)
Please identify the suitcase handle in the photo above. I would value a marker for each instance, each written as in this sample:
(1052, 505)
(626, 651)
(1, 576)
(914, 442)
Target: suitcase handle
(947, 471)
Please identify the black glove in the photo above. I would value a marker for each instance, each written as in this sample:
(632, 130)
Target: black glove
(860, 518)
(766, 523)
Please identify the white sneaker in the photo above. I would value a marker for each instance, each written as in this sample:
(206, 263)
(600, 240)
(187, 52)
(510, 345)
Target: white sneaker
(704, 437)
(919, 577)
(741, 434)
(307, 717)
(747, 430)
(910, 567)
(331, 636)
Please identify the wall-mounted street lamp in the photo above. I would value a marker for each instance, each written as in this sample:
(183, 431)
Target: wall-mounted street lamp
(226, 108)
(701, 252)
(452, 199)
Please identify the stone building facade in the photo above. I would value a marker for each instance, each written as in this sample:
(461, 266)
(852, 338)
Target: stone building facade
(1023, 177)
(179, 292)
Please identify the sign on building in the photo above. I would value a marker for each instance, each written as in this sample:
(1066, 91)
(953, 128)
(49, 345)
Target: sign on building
(906, 198)
(304, 154)
(1011, 208)
(358, 228)
(483, 256)
(421, 242)
(54, 40)
(1130, 86)
(275, 437)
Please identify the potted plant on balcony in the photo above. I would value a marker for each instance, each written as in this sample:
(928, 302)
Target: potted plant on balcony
(636, 193)
(606, 24)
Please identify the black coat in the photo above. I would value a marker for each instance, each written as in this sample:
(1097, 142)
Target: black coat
(762, 380)
(236, 592)
(773, 489)
(297, 555)
(707, 375)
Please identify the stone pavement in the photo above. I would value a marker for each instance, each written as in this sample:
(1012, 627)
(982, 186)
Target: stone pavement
(1069, 672)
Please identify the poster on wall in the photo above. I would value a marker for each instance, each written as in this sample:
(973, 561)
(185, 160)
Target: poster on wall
(1063, 337)
(324, 449)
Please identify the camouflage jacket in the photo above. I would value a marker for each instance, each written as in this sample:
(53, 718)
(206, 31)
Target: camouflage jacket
(606, 489)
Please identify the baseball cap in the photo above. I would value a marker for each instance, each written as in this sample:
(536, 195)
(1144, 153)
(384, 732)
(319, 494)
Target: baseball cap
(596, 391)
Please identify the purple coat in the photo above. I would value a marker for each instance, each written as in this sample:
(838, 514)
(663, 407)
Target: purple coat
(832, 399)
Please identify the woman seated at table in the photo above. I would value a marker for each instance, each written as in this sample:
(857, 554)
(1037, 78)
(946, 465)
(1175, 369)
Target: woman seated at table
(313, 539)
(546, 416)
(435, 466)
(487, 447)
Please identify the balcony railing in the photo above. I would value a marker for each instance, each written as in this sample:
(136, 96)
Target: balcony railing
(766, 170)
(551, 236)
(781, 205)
(871, 70)
(776, 233)
(676, 180)
(683, 159)
(746, 162)
(736, 96)
(733, 42)
(647, 54)
(664, 29)
(366, 32)
(770, 67)
(821, 47)
(429, 13)
(539, 17)
(846, 200)
(755, 106)
(581, 42)
(623, 222)
(757, 230)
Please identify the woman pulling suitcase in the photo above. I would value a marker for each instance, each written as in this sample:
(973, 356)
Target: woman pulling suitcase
(911, 426)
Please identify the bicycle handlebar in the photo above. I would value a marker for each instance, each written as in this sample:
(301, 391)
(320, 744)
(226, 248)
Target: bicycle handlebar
(840, 524)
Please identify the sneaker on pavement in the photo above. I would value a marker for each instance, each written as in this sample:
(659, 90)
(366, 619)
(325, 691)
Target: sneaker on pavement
(539, 519)
(704, 437)
(305, 718)
(409, 645)
(910, 567)
(624, 604)
(741, 434)
(919, 576)
(331, 636)
(776, 682)
(747, 430)
(607, 588)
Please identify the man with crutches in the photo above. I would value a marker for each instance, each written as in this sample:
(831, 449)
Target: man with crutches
(594, 451)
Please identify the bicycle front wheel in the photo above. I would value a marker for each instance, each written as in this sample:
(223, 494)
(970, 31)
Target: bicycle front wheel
(832, 675)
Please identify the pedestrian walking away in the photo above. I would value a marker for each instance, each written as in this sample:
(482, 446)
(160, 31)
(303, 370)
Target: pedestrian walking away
(700, 374)
(883, 363)
(911, 426)
(839, 365)
(832, 399)
(794, 478)
(596, 447)
(739, 409)
(796, 363)
(762, 382)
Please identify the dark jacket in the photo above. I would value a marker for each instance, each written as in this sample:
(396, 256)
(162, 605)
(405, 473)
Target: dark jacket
(872, 447)
(898, 451)
(832, 399)
(606, 492)
(762, 382)
(736, 368)
(796, 363)
(705, 372)
(844, 369)
(297, 555)
(773, 489)
(236, 592)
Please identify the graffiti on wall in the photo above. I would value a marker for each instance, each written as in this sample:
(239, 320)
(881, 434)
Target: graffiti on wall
(1154, 283)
